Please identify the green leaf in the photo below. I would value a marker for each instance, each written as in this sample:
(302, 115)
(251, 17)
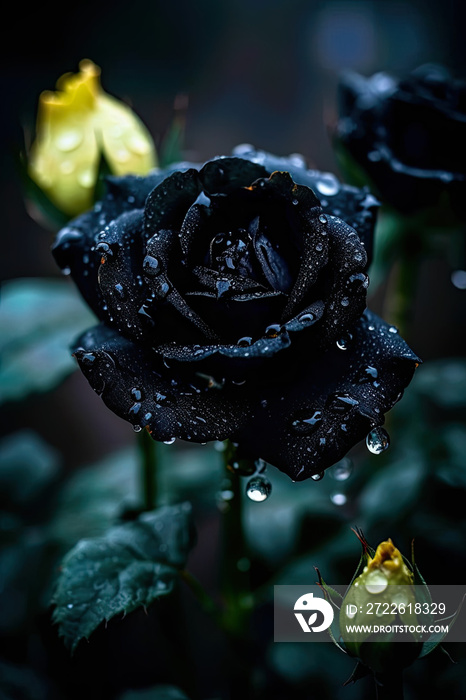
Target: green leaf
(40, 207)
(129, 567)
(39, 318)
(171, 149)
(438, 637)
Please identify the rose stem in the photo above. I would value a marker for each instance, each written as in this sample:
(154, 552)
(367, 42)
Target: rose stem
(234, 581)
(235, 584)
(389, 686)
(148, 454)
(401, 288)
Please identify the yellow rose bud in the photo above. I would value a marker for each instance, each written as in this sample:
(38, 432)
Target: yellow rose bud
(78, 125)
(382, 595)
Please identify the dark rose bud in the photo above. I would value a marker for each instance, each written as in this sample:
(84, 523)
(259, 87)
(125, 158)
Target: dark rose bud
(232, 301)
(408, 137)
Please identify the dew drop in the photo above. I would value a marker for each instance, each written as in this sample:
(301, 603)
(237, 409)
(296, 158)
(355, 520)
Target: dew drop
(122, 155)
(307, 424)
(343, 343)
(378, 441)
(357, 281)
(376, 582)
(69, 140)
(318, 477)
(137, 428)
(273, 330)
(328, 185)
(245, 342)
(170, 441)
(136, 394)
(88, 359)
(306, 319)
(341, 403)
(86, 178)
(258, 489)
(341, 471)
(151, 266)
(392, 329)
(137, 144)
(295, 202)
(338, 499)
(120, 291)
(323, 219)
(344, 301)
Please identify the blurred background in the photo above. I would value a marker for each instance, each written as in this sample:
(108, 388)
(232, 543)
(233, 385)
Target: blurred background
(259, 72)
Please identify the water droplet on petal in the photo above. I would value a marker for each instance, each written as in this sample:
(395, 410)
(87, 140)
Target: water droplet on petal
(137, 144)
(245, 342)
(69, 140)
(306, 319)
(341, 403)
(88, 359)
(323, 219)
(122, 155)
(328, 185)
(318, 477)
(392, 329)
(378, 441)
(273, 330)
(120, 291)
(151, 266)
(86, 178)
(306, 424)
(375, 582)
(258, 489)
(170, 441)
(343, 343)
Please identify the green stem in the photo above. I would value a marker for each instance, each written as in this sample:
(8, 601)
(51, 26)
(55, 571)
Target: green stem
(389, 686)
(148, 454)
(207, 602)
(401, 289)
(235, 586)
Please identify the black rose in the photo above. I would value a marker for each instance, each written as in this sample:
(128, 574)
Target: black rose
(232, 305)
(408, 135)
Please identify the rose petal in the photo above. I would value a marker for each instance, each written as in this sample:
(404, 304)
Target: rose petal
(135, 384)
(355, 206)
(315, 411)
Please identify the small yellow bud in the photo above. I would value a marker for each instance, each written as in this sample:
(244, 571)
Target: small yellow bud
(76, 126)
(382, 595)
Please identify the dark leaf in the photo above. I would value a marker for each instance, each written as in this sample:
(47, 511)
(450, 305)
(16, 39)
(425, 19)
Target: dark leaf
(129, 567)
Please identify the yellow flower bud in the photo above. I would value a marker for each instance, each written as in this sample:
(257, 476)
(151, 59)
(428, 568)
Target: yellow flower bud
(78, 125)
(382, 595)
